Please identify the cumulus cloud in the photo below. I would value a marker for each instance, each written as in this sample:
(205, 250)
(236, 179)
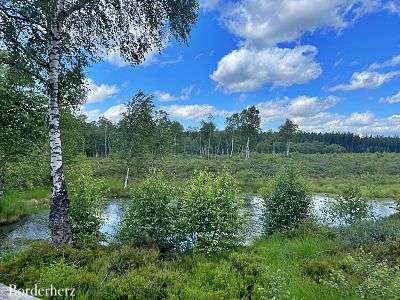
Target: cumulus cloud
(262, 25)
(91, 115)
(359, 119)
(185, 94)
(98, 93)
(312, 114)
(299, 107)
(366, 80)
(304, 106)
(391, 99)
(193, 111)
(267, 23)
(113, 113)
(365, 123)
(246, 70)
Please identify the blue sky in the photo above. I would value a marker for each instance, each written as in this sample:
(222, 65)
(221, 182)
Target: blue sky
(328, 65)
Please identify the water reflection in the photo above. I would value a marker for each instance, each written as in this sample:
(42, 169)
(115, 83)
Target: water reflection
(35, 227)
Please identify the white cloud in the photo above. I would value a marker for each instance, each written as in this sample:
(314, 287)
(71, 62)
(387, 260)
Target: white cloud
(393, 7)
(359, 119)
(338, 62)
(365, 80)
(114, 58)
(185, 94)
(299, 107)
(391, 99)
(113, 113)
(91, 115)
(307, 106)
(312, 114)
(193, 111)
(98, 93)
(266, 23)
(209, 4)
(249, 69)
(261, 25)
(393, 62)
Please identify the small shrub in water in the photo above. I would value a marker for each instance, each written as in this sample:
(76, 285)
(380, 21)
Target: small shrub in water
(212, 211)
(287, 201)
(349, 206)
(153, 215)
(87, 195)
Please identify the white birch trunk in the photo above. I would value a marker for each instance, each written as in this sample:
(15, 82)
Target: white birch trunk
(231, 147)
(209, 146)
(126, 179)
(105, 141)
(248, 148)
(59, 220)
(288, 148)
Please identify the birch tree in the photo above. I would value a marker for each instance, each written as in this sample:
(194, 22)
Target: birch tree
(232, 125)
(54, 39)
(249, 126)
(206, 132)
(136, 131)
(287, 131)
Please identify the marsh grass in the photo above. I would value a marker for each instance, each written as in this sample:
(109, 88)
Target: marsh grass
(16, 204)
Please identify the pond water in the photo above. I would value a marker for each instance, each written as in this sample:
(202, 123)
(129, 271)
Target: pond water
(35, 227)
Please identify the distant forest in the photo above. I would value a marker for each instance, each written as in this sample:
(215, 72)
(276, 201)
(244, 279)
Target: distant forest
(146, 130)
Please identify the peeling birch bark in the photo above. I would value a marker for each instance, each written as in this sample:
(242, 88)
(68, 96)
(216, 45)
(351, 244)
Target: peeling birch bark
(59, 220)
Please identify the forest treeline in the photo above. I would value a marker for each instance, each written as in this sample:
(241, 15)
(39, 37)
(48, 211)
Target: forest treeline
(143, 129)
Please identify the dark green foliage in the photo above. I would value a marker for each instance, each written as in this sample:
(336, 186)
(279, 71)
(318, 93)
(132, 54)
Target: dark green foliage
(94, 27)
(206, 216)
(212, 211)
(87, 195)
(153, 216)
(287, 201)
(73, 135)
(22, 119)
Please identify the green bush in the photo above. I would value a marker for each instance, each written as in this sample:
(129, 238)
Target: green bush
(27, 172)
(153, 215)
(287, 201)
(349, 206)
(87, 195)
(212, 211)
(371, 232)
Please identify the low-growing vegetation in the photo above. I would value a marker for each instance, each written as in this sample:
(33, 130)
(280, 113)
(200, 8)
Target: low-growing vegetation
(311, 263)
